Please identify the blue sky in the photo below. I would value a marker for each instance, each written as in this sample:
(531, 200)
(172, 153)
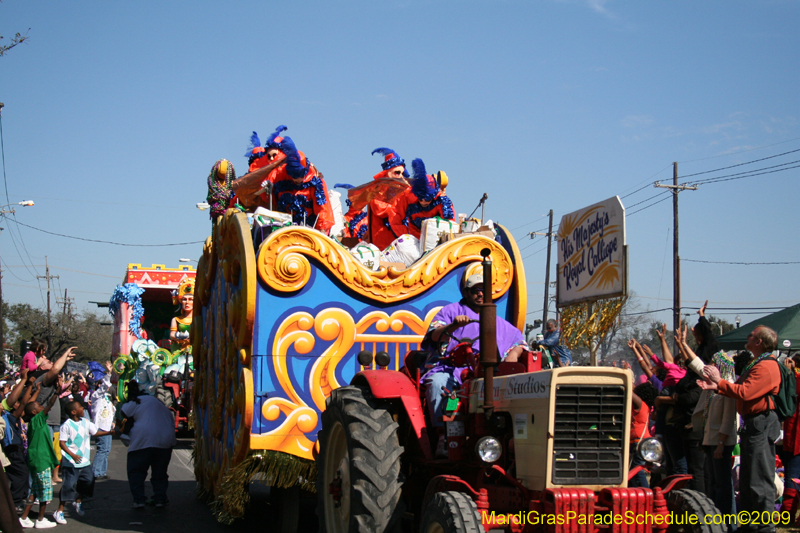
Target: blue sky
(115, 112)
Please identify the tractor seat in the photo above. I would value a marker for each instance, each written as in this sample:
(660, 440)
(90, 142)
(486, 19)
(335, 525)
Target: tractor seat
(414, 362)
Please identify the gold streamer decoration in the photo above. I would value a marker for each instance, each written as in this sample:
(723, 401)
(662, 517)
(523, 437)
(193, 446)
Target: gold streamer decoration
(278, 470)
(579, 329)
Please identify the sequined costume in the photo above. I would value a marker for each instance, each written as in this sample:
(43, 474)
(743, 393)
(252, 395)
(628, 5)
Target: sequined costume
(404, 214)
(307, 200)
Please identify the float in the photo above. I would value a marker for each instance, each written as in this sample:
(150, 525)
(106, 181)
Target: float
(278, 325)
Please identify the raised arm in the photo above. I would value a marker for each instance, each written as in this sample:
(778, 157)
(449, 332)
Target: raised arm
(30, 394)
(633, 345)
(58, 366)
(15, 394)
(666, 355)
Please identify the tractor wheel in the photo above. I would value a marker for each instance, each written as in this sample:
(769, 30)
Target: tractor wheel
(683, 503)
(451, 512)
(359, 481)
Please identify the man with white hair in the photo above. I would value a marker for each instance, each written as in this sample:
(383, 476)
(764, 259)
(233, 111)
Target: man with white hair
(753, 392)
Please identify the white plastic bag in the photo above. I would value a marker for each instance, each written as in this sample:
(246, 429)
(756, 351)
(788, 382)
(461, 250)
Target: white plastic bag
(265, 217)
(434, 230)
(338, 217)
(404, 249)
(368, 255)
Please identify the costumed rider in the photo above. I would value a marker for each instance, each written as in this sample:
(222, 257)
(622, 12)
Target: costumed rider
(460, 320)
(404, 215)
(299, 189)
(220, 193)
(356, 219)
(180, 325)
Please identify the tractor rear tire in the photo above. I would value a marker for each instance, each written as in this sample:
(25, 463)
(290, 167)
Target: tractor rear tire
(684, 502)
(451, 512)
(359, 479)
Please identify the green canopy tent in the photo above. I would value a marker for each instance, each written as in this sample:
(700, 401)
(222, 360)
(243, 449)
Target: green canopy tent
(785, 322)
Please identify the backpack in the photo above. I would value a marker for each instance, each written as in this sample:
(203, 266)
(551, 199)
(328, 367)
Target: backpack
(785, 401)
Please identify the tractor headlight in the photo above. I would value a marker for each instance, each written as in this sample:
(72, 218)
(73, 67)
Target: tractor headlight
(488, 449)
(651, 450)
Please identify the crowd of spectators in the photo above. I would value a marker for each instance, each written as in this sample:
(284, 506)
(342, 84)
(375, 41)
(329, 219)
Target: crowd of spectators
(49, 419)
(715, 413)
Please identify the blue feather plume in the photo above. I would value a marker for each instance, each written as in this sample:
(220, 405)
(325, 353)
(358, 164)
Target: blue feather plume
(255, 142)
(383, 151)
(342, 186)
(271, 139)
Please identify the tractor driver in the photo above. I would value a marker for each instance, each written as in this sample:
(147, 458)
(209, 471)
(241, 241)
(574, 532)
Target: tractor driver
(459, 320)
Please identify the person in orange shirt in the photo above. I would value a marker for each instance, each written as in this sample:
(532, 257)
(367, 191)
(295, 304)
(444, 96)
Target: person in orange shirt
(760, 379)
(643, 398)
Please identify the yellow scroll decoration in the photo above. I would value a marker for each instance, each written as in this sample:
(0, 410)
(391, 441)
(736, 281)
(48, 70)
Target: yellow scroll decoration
(336, 326)
(283, 264)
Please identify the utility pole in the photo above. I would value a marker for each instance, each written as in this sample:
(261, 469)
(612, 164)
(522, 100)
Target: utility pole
(48, 277)
(676, 258)
(549, 236)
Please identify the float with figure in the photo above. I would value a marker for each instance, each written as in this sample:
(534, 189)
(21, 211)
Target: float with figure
(152, 312)
(313, 332)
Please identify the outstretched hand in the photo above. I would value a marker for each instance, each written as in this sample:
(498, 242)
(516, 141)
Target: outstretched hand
(702, 310)
(662, 332)
(707, 385)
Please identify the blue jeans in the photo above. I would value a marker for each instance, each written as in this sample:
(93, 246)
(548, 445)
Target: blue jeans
(76, 482)
(640, 479)
(436, 403)
(157, 461)
(100, 466)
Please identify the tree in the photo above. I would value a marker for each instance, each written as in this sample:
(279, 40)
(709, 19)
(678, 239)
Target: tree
(22, 321)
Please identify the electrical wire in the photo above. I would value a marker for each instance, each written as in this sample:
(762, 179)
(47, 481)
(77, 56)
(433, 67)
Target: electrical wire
(738, 176)
(109, 242)
(647, 206)
(741, 151)
(742, 262)
(740, 164)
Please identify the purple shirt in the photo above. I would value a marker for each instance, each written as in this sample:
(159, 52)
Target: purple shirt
(508, 336)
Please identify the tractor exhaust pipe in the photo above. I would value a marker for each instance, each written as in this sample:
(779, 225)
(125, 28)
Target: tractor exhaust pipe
(488, 325)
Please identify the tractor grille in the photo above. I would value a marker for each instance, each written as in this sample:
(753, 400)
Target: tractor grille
(589, 440)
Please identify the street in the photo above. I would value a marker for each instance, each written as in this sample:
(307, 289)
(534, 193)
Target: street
(110, 507)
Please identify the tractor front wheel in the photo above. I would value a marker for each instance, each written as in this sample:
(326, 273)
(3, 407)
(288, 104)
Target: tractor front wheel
(451, 512)
(683, 503)
(359, 481)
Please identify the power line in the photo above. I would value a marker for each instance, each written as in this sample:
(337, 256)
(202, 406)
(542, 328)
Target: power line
(647, 312)
(107, 242)
(740, 164)
(739, 176)
(647, 206)
(741, 151)
(742, 262)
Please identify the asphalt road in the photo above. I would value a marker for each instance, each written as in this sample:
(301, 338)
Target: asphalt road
(110, 507)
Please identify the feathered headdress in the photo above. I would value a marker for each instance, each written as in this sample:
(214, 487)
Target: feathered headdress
(391, 159)
(274, 141)
(425, 187)
(255, 150)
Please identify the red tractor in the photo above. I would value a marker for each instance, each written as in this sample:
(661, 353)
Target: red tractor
(548, 450)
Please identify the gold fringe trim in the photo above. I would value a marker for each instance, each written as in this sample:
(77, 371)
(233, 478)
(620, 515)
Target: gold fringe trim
(279, 469)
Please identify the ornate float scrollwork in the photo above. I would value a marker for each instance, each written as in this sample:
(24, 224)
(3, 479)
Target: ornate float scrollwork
(283, 264)
(301, 331)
